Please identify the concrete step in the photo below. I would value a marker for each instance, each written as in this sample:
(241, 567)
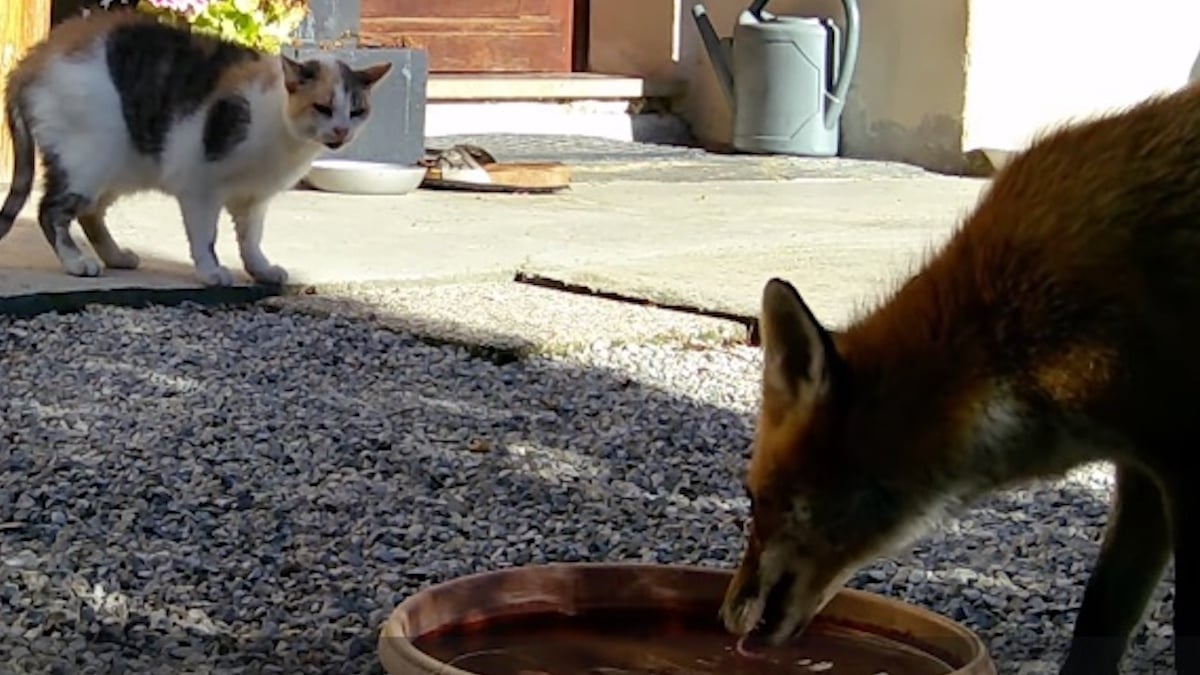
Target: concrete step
(574, 104)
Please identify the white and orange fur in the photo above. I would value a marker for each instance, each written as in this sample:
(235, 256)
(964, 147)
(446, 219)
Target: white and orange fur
(1058, 326)
(251, 133)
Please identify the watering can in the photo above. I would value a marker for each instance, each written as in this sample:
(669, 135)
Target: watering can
(786, 78)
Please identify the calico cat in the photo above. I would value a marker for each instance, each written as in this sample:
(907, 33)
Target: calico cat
(119, 103)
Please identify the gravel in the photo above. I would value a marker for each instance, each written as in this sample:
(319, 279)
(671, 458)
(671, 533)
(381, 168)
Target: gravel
(241, 490)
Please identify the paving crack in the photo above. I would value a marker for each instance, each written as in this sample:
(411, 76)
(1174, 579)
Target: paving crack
(750, 323)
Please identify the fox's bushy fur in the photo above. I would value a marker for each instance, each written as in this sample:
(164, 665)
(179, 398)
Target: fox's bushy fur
(1056, 327)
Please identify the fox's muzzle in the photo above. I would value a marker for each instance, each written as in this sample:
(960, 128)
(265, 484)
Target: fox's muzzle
(741, 610)
(754, 605)
(776, 595)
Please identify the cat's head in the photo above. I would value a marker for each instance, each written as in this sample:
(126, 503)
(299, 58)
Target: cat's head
(328, 102)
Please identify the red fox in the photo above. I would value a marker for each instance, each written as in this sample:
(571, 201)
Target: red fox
(1054, 328)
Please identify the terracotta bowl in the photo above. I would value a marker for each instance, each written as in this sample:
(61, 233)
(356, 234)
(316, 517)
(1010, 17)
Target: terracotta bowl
(488, 602)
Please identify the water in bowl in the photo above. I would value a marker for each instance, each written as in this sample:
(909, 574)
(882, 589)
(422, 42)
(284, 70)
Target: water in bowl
(664, 644)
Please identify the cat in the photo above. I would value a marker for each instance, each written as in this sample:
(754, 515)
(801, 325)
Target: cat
(118, 103)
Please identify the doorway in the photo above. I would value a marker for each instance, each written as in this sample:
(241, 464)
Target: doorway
(483, 36)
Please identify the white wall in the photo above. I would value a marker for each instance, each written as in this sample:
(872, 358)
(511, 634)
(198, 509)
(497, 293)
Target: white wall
(935, 78)
(1033, 64)
(905, 101)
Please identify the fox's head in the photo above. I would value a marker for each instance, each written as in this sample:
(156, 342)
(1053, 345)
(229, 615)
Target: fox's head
(823, 485)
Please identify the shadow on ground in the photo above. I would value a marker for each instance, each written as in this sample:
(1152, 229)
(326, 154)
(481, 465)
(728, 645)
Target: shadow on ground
(257, 490)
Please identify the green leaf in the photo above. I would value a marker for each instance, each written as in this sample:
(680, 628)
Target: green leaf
(263, 24)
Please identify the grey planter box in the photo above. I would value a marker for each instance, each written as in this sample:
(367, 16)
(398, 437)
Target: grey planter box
(396, 130)
(330, 21)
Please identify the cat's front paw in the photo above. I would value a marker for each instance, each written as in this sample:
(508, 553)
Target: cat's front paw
(122, 259)
(268, 274)
(215, 276)
(81, 266)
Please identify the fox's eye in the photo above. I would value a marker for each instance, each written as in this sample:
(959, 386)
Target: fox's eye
(323, 109)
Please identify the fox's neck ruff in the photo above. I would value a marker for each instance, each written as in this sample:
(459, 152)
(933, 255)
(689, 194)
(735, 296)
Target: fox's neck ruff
(933, 353)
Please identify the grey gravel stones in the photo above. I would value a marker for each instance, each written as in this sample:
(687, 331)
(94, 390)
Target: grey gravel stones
(210, 490)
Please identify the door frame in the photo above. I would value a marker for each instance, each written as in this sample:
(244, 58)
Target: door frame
(581, 33)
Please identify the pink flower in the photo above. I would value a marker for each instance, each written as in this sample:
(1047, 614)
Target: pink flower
(190, 7)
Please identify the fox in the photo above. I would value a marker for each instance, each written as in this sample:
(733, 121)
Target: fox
(1056, 326)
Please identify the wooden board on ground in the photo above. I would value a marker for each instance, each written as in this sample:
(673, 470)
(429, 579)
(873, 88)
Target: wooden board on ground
(508, 177)
(23, 23)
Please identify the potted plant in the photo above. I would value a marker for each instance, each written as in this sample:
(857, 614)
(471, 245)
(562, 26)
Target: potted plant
(260, 24)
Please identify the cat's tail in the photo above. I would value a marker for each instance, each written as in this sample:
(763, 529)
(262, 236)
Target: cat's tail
(23, 160)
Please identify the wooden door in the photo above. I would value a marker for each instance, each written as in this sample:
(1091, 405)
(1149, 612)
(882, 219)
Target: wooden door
(476, 36)
(22, 24)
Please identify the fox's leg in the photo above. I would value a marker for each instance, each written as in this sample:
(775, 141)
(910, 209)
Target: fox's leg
(1133, 555)
(1184, 512)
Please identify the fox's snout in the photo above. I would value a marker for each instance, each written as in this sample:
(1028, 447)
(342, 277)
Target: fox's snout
(772, 596)
(741, 610)
(779, 589)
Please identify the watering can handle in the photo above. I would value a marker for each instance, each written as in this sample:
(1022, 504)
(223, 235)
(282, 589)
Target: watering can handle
(849, 58)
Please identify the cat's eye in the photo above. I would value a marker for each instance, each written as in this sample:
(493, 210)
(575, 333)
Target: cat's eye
(323, 109)
(358, 112)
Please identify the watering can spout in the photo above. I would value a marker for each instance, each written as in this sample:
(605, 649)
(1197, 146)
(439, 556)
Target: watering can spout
(849, 58)
(716, 51)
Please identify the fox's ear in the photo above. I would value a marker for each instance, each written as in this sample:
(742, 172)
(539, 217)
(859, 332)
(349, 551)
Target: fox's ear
(798, 352)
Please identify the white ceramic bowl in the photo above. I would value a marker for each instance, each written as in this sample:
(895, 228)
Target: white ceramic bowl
(367, 178)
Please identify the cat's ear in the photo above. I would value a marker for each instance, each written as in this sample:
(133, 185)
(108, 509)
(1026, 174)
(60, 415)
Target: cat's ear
(297, 74)
(371, 75)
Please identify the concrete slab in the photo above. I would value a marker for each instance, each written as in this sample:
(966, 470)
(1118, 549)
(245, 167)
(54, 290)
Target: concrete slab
(711, 244)
(842, 244)
(511, 320)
